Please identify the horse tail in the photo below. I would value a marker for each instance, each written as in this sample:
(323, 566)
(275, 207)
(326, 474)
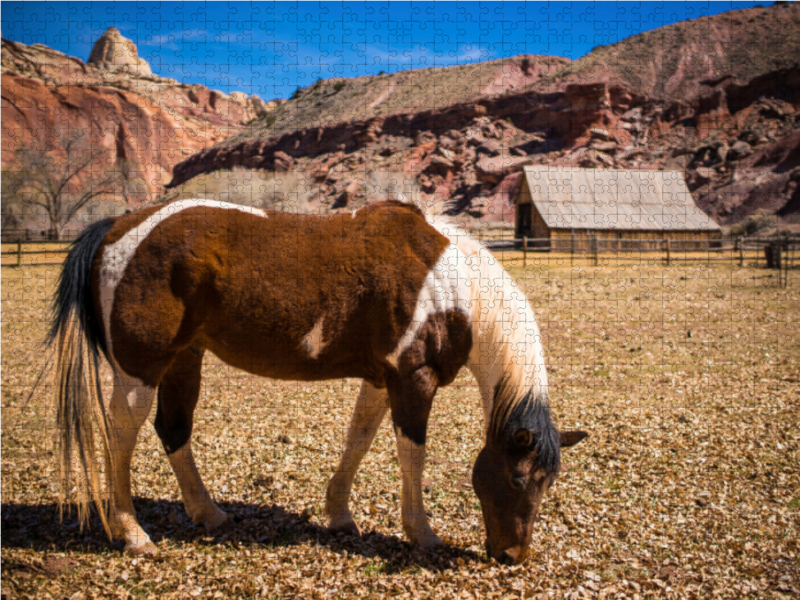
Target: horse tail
(76, 335)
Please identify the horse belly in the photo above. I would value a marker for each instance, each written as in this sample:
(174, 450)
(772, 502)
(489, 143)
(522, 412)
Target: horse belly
(274, 358)
(271, 337)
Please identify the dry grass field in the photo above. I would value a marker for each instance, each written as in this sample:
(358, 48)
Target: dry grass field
(687, 378)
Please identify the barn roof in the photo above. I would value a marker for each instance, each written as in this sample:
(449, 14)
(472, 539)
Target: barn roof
(573, 198)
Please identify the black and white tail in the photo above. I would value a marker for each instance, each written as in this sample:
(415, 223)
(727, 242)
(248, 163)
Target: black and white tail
(76, 336)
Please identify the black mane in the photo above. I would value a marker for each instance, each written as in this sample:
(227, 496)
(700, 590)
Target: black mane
(532, 412)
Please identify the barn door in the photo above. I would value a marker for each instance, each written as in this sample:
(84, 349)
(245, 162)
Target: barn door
(524, 220)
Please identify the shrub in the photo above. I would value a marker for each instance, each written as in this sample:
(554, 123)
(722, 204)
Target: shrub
(755, 224)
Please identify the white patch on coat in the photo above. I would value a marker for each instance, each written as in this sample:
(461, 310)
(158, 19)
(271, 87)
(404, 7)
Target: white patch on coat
(312, 342)
(445, 288)
(411, 458)
(117, 256)
(128, 410)
(506, 342)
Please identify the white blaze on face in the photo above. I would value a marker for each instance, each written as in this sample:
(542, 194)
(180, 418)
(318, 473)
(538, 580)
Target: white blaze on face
(117, 256)
(445, 288)
(312, 342)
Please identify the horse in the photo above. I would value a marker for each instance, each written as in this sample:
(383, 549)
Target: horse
(382, 294)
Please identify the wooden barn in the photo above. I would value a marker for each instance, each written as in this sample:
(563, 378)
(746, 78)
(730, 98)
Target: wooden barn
(562, 207)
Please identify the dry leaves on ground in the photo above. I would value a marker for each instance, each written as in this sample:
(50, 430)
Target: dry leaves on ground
(686, 377)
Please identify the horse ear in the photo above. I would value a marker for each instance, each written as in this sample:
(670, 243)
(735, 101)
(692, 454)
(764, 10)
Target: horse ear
(570, 438)
(523, 438)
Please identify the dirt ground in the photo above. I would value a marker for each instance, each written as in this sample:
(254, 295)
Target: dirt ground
(687, 378)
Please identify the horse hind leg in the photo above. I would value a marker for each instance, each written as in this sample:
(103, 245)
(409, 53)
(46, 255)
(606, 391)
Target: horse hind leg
(129, 407)
(178, 393)
(369, 411)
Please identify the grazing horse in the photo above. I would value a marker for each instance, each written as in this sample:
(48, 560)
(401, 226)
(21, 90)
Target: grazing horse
(380, 294)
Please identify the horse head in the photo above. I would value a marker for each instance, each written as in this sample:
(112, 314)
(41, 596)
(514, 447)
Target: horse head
(511, 476)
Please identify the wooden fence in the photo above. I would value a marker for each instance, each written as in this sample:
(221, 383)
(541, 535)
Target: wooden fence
(51, 253)
(778, 252)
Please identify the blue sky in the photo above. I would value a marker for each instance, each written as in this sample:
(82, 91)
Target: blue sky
(271, 48)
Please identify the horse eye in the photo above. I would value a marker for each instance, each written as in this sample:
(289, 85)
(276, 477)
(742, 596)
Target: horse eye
(518, 483)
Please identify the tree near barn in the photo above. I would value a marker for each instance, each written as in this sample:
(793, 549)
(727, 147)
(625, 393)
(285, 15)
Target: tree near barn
(62, 176)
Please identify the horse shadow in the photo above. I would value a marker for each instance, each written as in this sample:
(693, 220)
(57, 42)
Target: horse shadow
(38, 527)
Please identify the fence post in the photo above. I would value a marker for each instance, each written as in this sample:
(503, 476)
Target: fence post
(785, 262)
(741, 251)
(525, 252)
(669, 258)
(594, 249)
(572, 249)
(19, 253)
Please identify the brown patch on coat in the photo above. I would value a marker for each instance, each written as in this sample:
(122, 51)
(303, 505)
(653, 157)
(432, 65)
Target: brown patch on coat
(433, 359)
(250, 288)
(122, 225)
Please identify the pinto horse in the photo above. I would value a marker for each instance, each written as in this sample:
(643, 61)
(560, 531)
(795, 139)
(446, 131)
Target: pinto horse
(380, 294)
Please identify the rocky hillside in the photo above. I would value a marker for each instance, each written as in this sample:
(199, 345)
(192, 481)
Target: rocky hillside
(716, 97)
(332, 101)
(681, 61)
(152, 121)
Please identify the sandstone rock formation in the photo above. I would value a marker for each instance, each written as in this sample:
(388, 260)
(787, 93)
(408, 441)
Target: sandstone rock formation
(153, 121)
(112, 51)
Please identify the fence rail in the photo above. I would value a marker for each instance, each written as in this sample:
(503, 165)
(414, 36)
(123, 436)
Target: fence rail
(779, 252)
(58, 251)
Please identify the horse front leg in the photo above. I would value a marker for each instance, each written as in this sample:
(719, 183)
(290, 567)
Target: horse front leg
(411, 399)
(368, 414)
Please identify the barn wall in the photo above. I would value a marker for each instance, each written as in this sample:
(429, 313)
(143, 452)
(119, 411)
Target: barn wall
(538, 228)
(625, 239)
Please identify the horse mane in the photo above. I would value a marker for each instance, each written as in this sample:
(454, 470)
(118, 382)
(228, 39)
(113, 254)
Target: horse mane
(508, 329)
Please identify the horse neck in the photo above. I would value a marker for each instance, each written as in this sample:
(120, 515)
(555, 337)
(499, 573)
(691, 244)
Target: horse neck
(507, 352)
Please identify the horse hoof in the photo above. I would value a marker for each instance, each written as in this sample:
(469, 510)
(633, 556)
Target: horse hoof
(223, 526)
(148, 549)
(430, 542)
(348, 527)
